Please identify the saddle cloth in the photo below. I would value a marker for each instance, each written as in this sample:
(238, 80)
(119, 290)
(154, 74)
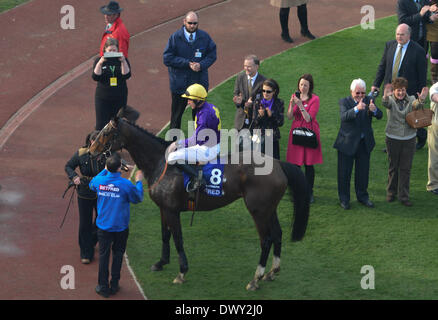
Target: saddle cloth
(213, 176)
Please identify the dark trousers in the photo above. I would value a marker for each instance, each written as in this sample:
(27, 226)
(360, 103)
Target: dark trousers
(400, 156)
(361, 160)
(115, 242)
(87, 227)
(302, 17)
(421, 136)
(107, 108)
(275, 149)
(178, 106)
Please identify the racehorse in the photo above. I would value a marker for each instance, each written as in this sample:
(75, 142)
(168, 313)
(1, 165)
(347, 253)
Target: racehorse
(261, 194)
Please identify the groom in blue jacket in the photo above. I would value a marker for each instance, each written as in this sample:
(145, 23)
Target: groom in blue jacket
(188, 55)
(114, 194)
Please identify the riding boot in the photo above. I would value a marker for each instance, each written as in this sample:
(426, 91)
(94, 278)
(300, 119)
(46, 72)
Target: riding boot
(284, 22)
(434, 72)
(302, 16)
(197, 181)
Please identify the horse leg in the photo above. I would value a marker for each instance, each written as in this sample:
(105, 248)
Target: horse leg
(165, 249)
(265, 243)
(175, 227)
(276, 235)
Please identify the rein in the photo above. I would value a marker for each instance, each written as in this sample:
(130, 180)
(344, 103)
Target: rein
(159, 179)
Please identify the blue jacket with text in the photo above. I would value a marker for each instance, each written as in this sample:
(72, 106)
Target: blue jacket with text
(114, 194)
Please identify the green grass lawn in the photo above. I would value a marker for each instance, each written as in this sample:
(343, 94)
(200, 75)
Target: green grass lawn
(223, 246)
(9, 4)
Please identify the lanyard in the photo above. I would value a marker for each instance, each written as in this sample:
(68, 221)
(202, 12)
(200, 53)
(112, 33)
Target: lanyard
(112, 68)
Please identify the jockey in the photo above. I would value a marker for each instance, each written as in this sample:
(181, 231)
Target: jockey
(204, 145)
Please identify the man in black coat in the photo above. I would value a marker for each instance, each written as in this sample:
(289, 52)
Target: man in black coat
(415, 14)
(412, 66)
(354, 143)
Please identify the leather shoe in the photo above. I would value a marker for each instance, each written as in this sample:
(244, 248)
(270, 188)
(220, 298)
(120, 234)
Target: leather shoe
(406, 203)
(367, 203)
(114, 289)
(307, 34)
(435, 191)
(345, 205)
(286, 38)
(104, 292)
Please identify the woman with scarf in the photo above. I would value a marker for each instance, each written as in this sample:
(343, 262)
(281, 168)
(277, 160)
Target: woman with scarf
(268, 113)
(303, 108)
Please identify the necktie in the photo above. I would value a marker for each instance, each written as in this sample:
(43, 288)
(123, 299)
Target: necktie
(191, 38)
(397, 63)
(249, 85)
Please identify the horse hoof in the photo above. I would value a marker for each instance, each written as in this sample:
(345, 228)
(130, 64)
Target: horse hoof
(269, 277)
(252, 286)
(179, 279)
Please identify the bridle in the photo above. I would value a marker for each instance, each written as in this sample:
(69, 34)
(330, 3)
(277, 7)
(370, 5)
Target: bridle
(107, 145)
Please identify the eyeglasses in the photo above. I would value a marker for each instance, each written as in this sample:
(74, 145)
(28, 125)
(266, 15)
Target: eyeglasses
(194, 23)
(360, 92)
(267, 91)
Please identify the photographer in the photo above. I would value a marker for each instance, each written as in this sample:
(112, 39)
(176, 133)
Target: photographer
(268, 113)
(303, 108)
(87, 200)
(354, 143)
(111, 91)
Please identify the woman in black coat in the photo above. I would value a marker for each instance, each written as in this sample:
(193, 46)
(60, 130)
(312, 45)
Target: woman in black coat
(87, 200)
(111, 91)
(268, 113)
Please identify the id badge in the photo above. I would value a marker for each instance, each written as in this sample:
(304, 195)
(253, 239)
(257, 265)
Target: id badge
(198, 54)
(113, 82)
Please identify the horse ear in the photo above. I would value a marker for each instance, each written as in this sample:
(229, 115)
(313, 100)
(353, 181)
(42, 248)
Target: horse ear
(120, 114)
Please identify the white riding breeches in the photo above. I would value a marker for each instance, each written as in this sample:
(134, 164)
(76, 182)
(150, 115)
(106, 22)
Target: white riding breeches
(194, 154)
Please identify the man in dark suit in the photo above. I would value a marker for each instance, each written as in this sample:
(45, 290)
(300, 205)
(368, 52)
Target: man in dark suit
(354, 143)
(412, 65)
(416, 14)
(248, 84)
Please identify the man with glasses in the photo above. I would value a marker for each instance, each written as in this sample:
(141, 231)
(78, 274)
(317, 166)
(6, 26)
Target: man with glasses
(246, 88)
(404, 58)
(188, 55)
(114, 27)
(354, 143)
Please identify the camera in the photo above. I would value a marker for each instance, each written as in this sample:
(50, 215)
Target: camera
(298, 94)
(373, 94)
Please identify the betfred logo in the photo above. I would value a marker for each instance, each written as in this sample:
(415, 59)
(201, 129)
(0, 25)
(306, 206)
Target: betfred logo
(109, 187)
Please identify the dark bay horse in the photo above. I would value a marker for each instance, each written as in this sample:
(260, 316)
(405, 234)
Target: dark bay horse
(261, 194)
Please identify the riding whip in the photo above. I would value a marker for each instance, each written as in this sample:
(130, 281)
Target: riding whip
(70, 185)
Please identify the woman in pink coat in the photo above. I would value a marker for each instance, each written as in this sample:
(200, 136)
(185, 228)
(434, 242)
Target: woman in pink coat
(303, 108)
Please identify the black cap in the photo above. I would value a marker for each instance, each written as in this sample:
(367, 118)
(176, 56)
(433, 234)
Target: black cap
(111, 8)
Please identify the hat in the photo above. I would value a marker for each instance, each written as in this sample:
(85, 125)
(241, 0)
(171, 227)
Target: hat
(111, 8)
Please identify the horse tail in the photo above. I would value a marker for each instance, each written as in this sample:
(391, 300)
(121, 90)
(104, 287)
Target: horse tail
(301, 197)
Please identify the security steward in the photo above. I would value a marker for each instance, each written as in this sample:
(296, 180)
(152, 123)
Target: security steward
(87, 200)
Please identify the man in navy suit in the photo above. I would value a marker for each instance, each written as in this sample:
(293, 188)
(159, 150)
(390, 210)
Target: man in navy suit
(412, 66)
(354, 143)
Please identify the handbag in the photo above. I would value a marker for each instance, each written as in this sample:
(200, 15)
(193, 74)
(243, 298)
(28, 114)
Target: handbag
(305, 137)
(419, 118)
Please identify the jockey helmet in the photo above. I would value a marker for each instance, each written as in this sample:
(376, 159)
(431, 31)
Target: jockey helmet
(195, 92)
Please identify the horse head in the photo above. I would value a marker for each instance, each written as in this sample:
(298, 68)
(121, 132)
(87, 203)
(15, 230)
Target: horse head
(108, 139)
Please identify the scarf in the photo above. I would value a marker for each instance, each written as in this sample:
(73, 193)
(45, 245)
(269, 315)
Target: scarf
(267, 103)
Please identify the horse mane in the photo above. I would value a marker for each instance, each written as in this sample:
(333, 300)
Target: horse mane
(152, 136)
